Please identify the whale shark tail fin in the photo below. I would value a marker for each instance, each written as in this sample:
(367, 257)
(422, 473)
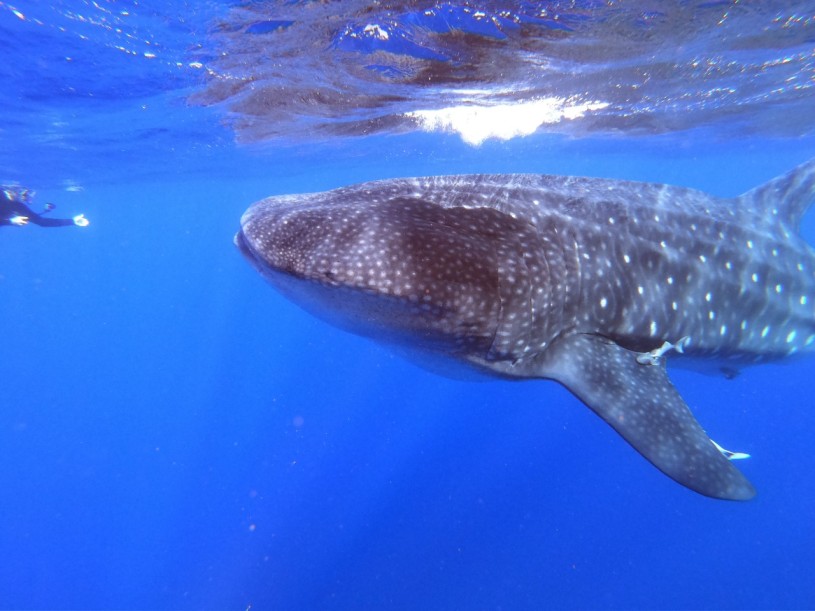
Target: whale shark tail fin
(786, 198)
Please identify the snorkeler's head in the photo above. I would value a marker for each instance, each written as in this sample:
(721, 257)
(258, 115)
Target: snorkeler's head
(16, 194)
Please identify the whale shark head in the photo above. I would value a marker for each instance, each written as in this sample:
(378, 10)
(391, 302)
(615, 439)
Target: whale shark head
(395, 268)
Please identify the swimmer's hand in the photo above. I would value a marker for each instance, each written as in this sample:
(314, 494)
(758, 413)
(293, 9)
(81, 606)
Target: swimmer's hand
(81, 221)
(19, 220)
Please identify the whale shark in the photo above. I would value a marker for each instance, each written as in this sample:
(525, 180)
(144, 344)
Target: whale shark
(590, 282)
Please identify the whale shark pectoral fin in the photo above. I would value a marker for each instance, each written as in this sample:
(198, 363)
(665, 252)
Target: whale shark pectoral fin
(640, 403)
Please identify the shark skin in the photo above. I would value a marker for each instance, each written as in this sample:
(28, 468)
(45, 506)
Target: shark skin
(593, 283)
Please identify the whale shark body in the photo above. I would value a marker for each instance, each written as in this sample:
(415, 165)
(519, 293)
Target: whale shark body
(591, 282)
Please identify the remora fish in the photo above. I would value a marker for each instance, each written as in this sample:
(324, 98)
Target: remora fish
(587, 281)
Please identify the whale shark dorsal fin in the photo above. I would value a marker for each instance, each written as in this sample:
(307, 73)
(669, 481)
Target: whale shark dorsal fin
(640, 403)
(787, 197)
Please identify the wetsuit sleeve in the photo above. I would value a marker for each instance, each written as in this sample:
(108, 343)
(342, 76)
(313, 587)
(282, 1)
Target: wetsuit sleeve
(44, 221)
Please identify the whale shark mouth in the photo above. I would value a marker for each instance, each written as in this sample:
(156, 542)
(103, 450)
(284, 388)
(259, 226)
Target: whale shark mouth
(246, 250)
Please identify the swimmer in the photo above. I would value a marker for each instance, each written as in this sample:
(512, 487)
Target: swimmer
(14, 210)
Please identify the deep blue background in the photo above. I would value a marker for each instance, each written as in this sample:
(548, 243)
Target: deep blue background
(173, 434)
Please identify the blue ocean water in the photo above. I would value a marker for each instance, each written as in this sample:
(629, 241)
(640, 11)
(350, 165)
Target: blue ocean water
(174, 434)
